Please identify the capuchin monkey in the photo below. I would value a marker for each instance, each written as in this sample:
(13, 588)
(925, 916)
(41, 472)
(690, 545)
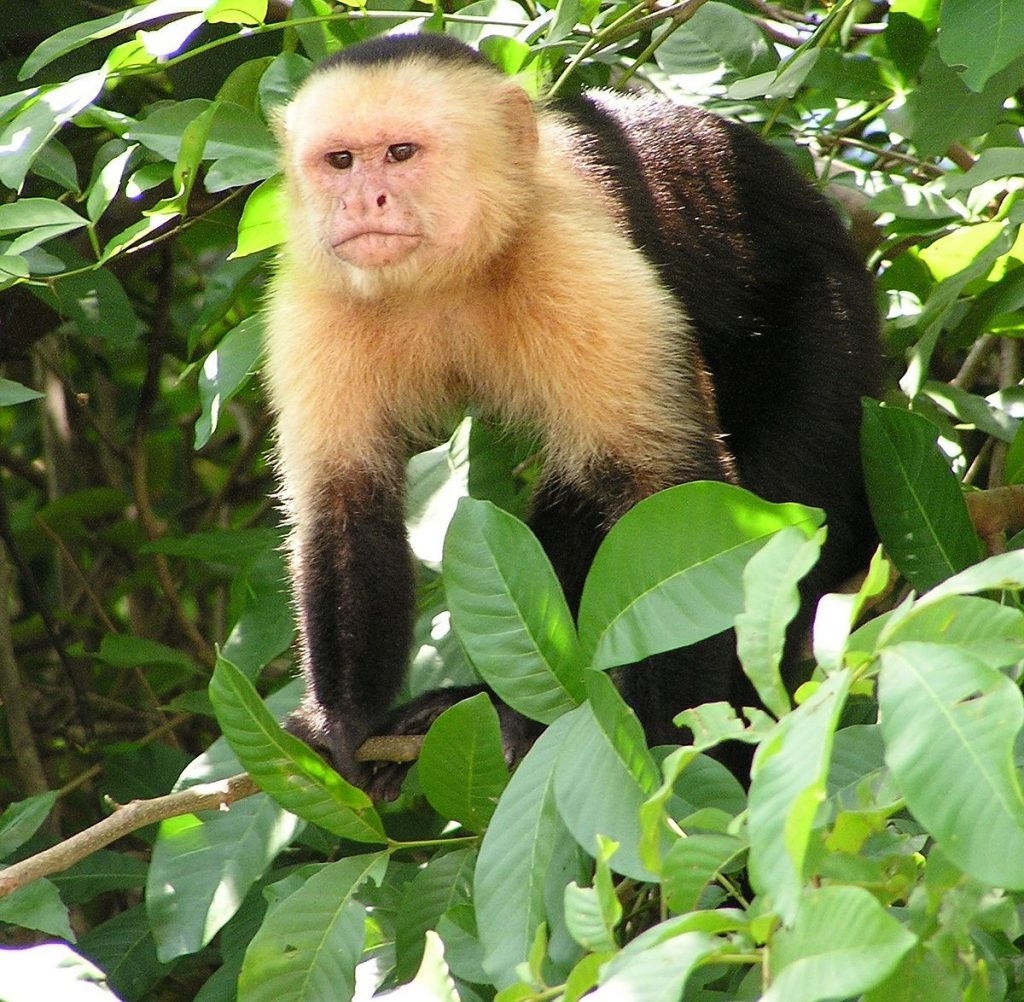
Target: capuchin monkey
(654, 291)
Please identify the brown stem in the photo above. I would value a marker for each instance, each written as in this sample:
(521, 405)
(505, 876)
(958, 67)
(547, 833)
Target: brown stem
(390, 748)
(126, 819)
(30, 766)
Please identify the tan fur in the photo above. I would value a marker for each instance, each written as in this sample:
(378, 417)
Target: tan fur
(545, 315)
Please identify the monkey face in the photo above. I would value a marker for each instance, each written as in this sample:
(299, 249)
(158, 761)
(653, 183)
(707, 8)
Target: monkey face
(394, 182)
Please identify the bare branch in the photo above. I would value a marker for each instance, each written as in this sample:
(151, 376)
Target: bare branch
(126, 819)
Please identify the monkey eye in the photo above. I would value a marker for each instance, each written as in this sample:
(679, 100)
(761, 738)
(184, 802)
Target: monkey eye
(339, 159)
(401, 151)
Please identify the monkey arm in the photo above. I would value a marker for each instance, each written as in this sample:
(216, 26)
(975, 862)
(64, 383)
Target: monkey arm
(355, 589)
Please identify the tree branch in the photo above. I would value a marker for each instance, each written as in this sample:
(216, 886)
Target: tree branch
(126, 819)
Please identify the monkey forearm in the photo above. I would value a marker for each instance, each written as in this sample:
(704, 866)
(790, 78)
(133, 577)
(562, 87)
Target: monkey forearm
(355, 586)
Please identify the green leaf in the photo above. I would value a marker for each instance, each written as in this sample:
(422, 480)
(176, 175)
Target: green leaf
(657, 973)
(248, 12)
(35, 213)
(843, 942)
(94, 300)
(981, 37)
(509, 612)
(105, 870)
(950, 723)
(669, 573)
(25, 136)
(444, 882)
(281, 80)
(77, 35)
(605, 751)
(837, 613)
(204, 864)
(226, 370)
(771, 600)
(992, 164)
(309, 944)
(20, 821)
(717, 36)
(1004, 570)
(692, 863)
(123, 946)
(14, 393)
(993, 632)
(234, 132)
(971, 410)
(942, 109)
(433, 981)
(517, 850)
(262, 224)
(129, 652)
(916, 501)
(593, 913)
(37, 906)
(461, 765)
(286, 768)
(218, 546)
(787, 785)
(265, 626)
(784, 81)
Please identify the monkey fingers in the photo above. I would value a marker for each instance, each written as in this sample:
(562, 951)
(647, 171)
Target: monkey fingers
(414, 719)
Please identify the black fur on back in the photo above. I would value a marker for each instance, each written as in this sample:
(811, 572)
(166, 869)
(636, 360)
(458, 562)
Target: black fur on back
(782, 308)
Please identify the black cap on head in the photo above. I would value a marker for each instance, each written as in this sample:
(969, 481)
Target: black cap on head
(398, 48)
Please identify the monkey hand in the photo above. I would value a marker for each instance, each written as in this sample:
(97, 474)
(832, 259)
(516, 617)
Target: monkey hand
(334, 738)
(414, 718)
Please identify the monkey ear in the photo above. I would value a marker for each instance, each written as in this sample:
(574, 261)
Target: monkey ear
(519, 112)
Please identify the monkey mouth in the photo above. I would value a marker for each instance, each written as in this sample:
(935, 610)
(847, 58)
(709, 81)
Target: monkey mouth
(375, 248)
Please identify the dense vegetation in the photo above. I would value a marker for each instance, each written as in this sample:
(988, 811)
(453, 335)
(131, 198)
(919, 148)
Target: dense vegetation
(144, 612)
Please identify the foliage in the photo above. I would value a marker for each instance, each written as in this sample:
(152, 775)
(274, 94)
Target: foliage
(878, 851)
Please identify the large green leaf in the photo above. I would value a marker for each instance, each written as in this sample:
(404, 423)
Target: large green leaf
(842, 943)
(309, 944)
(669, 573)
(993, 632)
(37, 905)
(234, 132)
(226, 370)
(262, 224)
(77, 35)
(204, 864)
(19, 821)
(916, 501)
(655, 973)
(950, 723)
(787, 785)
(771, 600)
(25, 136)
(717, 37)
(981, 36)
(461, 765)
(443, 882)
(509, 612)
(606, 751)
(286, 768)
(124, 947)
(518, 847)
(693, 862)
